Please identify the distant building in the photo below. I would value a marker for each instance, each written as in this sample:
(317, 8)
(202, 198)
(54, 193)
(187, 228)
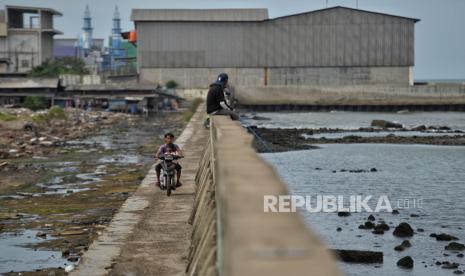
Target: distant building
(86, 40)
(333, 46)
(69, 47)
(26, 37)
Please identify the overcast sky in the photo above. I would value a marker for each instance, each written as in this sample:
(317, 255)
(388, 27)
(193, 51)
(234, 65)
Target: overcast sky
(439, 36)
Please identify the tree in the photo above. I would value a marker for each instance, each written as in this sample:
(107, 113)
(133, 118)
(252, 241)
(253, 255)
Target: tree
(35, 103)
(56, 67)
(171, 84)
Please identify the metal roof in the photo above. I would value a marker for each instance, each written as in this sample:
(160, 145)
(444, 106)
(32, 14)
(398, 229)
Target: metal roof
(225, 14)
(25, 83)
(346, 8)
(199, 14)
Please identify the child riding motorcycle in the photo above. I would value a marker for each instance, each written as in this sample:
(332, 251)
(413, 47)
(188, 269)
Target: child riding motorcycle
(169, 148)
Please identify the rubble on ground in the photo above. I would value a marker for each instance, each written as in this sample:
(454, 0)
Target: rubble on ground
(29, 133)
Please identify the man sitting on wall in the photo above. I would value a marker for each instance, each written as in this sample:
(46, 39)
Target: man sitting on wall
(216, 103)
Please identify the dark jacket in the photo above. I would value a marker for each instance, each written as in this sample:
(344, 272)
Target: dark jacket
(214, 97)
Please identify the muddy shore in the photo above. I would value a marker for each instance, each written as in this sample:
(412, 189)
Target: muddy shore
(59, 196)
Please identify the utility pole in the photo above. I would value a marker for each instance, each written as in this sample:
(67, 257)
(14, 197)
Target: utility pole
(356, 3)
(326, 3)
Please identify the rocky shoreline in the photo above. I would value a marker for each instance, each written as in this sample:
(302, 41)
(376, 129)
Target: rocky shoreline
(285, 139)
(60, 195)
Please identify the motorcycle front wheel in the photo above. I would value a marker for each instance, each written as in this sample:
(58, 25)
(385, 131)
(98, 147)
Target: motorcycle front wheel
(168, 185)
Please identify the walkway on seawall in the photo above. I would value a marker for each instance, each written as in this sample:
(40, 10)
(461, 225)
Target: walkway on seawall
(215, 225)
(150, 235)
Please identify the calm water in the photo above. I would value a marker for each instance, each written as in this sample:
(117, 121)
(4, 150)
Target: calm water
(434, 174)
(354, 120)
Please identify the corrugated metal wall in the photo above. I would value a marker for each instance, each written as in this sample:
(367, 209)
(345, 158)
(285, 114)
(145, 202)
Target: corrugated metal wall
(334, 37)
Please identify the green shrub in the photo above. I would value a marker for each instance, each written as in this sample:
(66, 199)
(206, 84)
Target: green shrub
(39, 118)
(171, 84)
(57, 113)
(7, 117)
(35, 103)
(59, 66)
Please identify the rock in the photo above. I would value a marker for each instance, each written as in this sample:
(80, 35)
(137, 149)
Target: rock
(444, 237)
(414, 215)
(438, 263)
(30, 126)
(420, 230)
(378, 232)
(458, 272)
(371, 218)
(385, 124)
(419, 128)
(41, 235)
(46, 143)
(395, 212)
(343, 214)
(72, 233)
(455, 246)
(357, 256)
(260, 118)
(373, 170)
(406, 243)
(448, 265)
(339, 229)
(460, 255)
(399, 248)
(382, 226)
(369, 225)
(69, 268)
(73, 259)
(403, 230)
(405, 262)
(65, 253)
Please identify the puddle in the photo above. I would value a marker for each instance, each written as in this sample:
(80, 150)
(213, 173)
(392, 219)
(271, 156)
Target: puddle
(103, 141)
(16, 256)
(120, 159)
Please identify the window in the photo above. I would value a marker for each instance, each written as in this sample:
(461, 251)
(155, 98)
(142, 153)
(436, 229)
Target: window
(24, 63)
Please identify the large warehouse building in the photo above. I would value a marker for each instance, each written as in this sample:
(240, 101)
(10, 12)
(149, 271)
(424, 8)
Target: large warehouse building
(334, 46)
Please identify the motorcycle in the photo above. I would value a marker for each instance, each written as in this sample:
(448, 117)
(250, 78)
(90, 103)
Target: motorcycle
(168, 180)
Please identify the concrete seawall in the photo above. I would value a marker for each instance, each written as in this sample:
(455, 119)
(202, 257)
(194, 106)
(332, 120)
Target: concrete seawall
(232, 235)
(215, 223)
(440, 94)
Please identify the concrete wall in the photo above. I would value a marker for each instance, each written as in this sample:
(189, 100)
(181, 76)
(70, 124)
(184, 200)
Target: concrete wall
(23, 47)
(202, 77)
(47, 46)
(46, 20)
(232, 235)
(351, 95)
(69, 79)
